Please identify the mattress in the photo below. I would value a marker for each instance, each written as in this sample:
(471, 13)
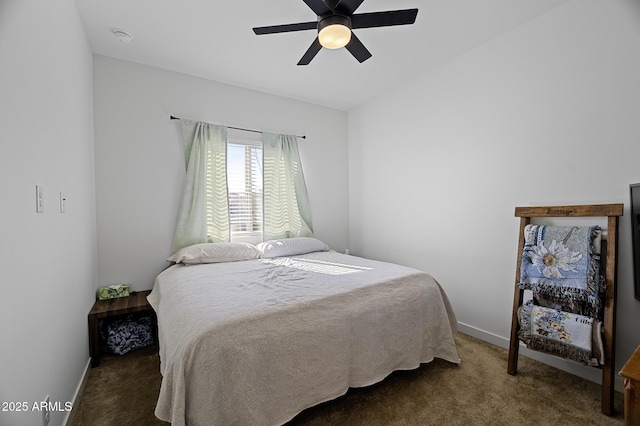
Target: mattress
(255, 342)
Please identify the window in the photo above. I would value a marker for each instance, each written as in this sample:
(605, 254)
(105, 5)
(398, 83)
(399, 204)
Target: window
(227, 198)
(244, 178)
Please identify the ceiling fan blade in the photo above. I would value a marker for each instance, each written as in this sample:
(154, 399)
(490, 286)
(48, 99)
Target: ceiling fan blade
(384, 19)
(311, 52)
(348, 6)
(273, 29)
(357, 49)
(319, 7)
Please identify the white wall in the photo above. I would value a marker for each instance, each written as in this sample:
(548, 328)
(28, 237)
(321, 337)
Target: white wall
(140, 163)
(546, 114)
(49, 259)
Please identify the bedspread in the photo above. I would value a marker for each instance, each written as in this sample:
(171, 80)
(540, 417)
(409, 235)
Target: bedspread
(256, 342)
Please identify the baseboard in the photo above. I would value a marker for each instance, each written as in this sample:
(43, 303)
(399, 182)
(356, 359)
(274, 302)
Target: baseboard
(68, 420)
(588, 373)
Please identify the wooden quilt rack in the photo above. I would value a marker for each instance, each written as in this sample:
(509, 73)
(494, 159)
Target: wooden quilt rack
(612, 212)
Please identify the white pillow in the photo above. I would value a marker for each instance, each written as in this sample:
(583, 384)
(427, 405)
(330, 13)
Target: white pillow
(214, 253)
(291, 247)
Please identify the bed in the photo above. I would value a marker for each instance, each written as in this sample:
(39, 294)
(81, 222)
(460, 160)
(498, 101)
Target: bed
(256, 339)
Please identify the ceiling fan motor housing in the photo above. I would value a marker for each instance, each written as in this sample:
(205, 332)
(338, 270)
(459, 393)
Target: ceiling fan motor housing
(333, 20)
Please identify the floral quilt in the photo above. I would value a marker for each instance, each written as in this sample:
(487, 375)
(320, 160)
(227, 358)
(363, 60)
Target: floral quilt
(562, 262)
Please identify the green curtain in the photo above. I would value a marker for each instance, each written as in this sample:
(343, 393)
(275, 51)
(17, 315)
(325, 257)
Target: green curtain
(287, 212)
(204, 212)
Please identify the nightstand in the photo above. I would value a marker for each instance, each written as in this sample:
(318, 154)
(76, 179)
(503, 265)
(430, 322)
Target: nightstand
(136, 302)
(631, 374)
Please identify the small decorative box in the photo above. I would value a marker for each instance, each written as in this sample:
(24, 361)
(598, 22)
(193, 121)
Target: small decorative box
(113, 291)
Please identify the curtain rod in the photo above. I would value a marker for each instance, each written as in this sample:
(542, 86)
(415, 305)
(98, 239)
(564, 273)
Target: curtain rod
(172, 117)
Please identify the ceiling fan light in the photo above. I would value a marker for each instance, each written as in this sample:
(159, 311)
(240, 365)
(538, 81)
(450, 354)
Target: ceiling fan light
(334, 36)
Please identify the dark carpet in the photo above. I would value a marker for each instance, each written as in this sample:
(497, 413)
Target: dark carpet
(123, 391)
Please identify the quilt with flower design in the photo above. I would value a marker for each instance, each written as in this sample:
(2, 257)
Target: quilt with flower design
(561, 261)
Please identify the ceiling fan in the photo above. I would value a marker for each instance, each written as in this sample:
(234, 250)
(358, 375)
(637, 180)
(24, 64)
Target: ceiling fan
(336, 20)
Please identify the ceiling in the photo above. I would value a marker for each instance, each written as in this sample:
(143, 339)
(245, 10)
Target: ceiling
(213, 39)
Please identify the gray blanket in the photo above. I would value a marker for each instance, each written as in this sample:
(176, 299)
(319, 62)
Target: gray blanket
(256, 342)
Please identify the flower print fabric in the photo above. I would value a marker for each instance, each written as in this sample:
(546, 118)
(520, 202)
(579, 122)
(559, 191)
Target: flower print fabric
(561, 261)
(558, 333)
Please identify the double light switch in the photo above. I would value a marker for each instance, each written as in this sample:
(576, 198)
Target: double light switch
(40, 200)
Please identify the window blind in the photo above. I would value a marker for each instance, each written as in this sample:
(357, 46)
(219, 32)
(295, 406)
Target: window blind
(244, 175)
